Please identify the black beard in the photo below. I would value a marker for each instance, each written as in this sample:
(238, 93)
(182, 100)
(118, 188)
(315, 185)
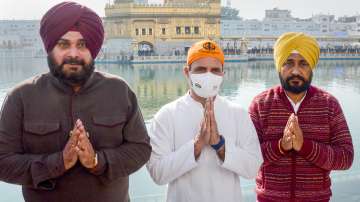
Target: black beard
(73, 79)
(296, 89)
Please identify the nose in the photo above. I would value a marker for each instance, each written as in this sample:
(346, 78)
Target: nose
(73, 52)
(295, 69)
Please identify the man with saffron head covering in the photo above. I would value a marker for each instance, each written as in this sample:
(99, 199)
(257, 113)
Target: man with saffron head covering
(302, 129)
(73, 134)
(203, 143)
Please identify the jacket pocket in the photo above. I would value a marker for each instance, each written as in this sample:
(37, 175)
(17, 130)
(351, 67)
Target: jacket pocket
(41, 136)
(107, 131)
(109, 121)
(38, 128)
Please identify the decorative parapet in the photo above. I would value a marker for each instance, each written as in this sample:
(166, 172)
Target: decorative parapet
(177, 9)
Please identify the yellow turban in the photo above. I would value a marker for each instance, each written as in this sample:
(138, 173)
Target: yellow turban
(205, 48)
(306, 45)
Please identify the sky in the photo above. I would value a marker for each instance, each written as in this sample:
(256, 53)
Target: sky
(249, 9)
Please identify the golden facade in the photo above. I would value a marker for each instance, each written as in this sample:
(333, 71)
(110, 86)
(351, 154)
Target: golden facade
(159, 27)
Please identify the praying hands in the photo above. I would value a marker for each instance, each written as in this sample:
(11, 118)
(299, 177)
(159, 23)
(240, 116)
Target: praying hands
(79, 148)
(293, 137)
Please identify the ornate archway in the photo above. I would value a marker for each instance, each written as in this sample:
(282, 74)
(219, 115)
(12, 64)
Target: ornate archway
(145, 48)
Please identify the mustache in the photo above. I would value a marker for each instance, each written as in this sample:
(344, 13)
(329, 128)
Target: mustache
(295, 77)
(73, 61)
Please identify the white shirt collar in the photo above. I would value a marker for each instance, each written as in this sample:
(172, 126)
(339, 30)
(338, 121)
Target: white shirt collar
(297, 105)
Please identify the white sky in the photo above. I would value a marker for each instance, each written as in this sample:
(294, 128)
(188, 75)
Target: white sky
(249, 9)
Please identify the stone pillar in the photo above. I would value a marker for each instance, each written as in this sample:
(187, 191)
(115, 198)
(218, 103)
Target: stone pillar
(135, 47)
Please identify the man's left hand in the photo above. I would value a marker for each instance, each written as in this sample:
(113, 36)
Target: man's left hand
(298, 138)
(214, 133)
(85, 149)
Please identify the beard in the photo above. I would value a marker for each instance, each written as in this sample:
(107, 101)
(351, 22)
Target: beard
(71, 79)
(297, 89)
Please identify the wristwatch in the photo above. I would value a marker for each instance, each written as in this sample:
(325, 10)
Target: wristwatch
(219, 144)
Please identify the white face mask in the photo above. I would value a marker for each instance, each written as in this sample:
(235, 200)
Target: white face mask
(205, 85)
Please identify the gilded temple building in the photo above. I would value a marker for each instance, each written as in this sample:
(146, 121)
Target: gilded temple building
(133, 27)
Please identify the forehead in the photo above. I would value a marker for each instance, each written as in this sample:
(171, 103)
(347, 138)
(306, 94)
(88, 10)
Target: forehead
(72, 36)
(295, 56)
(209, 62)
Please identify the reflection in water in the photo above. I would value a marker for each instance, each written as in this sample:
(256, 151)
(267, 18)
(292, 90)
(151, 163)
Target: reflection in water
(154, 86)
(158, 84)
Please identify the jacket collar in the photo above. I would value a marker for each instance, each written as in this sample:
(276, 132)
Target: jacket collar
(93, 79)
(280, 91)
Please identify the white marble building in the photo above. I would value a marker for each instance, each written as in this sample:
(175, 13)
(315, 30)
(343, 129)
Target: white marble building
(278, 21)
(20, 34)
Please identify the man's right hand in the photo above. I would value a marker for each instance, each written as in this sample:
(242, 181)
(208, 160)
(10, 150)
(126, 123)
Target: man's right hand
(70, 155)
(203, 137)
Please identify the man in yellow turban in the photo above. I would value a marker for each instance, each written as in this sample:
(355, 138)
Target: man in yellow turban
(302, 129)
(294, 42)
(202, 143)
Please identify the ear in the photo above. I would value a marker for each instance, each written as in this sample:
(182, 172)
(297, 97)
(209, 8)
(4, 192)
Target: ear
(223, 69)
(186, 71)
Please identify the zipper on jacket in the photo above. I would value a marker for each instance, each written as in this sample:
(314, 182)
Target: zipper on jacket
(293, 176)
(71, 111)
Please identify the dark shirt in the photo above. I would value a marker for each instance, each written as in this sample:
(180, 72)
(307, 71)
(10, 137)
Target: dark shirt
(35, 122)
